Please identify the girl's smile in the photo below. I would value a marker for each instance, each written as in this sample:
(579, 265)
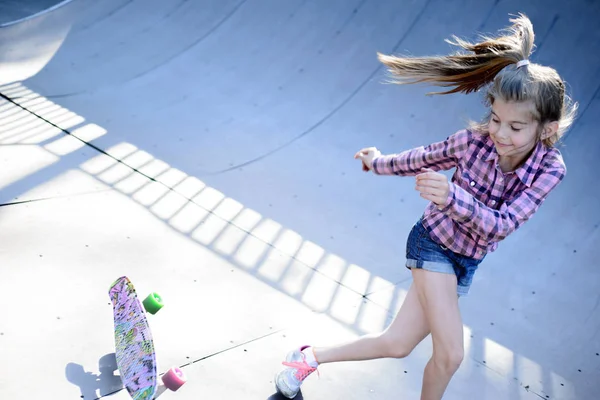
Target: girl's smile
(513, 130)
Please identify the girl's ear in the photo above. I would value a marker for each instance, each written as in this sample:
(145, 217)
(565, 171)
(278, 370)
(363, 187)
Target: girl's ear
(550, 129)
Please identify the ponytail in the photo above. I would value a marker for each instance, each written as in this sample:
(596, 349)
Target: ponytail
(470, 71)
(490, 63)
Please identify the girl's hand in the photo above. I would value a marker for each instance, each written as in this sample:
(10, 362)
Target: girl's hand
(366, 156)
(433, 186)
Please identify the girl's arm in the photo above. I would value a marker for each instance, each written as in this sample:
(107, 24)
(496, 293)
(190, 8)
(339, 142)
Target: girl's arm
(437, 156)
(498, 224)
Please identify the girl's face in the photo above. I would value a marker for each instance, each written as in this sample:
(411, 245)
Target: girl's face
(513, 130)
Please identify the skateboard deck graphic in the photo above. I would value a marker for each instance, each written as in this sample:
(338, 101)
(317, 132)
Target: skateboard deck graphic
(135, 354)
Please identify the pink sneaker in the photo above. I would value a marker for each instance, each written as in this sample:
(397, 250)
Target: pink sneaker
(289, 380)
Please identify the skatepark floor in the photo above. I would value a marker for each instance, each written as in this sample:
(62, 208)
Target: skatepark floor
(204, 149)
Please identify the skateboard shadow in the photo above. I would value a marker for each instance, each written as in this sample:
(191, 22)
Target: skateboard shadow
(92, 385)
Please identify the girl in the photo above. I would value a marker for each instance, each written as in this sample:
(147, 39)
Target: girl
(505, 168)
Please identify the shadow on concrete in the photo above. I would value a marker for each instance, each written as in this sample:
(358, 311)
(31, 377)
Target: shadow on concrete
(94, 386)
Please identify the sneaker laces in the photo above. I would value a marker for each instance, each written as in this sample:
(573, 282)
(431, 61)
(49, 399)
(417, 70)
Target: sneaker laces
(302, 368)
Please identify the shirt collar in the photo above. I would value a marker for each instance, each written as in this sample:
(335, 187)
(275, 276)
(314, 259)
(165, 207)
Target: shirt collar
(526, 172)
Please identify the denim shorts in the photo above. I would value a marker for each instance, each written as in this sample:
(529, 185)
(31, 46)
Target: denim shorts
(422, 252)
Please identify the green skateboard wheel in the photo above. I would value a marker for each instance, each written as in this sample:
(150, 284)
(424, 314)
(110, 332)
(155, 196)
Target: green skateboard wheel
(153, 303)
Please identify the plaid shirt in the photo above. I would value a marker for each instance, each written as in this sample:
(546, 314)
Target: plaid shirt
(484, 204)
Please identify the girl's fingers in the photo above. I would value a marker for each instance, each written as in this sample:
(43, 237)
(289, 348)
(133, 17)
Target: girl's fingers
(364, 152)
(429, 182)
(434, 176)
(429, 188)
(429, 197)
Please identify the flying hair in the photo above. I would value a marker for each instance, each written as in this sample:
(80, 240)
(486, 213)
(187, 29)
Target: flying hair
(498, 63)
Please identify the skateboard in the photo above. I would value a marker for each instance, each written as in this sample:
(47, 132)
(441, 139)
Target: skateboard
(135, 354)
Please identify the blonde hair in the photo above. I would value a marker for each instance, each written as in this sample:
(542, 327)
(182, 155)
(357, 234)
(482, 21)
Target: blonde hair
(491, 63)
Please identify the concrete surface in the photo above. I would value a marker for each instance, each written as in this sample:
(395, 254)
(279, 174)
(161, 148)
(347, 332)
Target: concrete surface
(205, 150)
(14, 11)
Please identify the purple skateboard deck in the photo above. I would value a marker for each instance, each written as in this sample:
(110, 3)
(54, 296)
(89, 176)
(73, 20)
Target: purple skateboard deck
(135, 354)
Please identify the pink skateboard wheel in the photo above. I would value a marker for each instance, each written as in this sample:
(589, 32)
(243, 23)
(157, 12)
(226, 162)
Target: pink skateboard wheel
(174, 378)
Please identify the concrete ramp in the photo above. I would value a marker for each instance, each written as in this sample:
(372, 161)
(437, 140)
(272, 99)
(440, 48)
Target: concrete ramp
(29, 43)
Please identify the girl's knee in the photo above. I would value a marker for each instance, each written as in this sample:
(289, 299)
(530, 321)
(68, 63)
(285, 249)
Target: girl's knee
(394, 348)
(449, 360)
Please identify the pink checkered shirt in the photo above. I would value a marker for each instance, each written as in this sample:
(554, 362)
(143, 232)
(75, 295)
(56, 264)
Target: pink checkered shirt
(484, 204)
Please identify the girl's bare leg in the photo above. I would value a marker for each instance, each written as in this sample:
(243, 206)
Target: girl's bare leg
(407, 330)
(437, 294)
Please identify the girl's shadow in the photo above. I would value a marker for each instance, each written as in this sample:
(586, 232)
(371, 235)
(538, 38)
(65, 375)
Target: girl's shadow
(92, 385)
(278, 396)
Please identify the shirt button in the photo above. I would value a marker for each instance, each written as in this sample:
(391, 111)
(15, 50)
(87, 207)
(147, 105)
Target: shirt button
(493, 202)
(472, 183)
(480, 251)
